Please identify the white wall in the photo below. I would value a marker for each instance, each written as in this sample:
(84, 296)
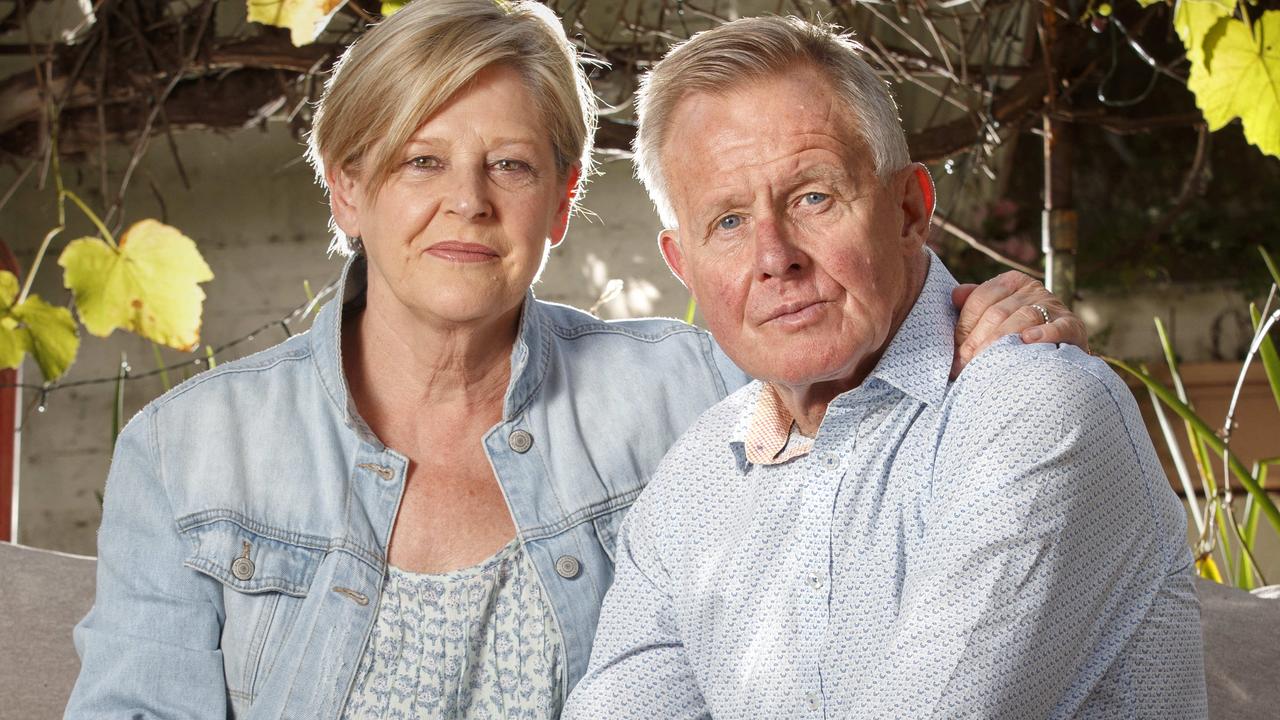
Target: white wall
(261, 223)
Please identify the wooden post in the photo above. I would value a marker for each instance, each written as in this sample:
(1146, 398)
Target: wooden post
(1058, 220)
(10, 397)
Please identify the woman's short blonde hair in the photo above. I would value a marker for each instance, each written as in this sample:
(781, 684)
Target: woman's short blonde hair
(400, 72)
(719, 60)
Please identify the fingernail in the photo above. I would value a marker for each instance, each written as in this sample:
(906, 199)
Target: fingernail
(1034, 334)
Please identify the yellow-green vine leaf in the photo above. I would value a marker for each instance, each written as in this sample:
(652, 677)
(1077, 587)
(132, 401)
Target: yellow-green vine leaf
(149, 285)
(51, 335)
(306, 19)
(391, 7)
(1242, 79)
(14, 340)
(1193, 19)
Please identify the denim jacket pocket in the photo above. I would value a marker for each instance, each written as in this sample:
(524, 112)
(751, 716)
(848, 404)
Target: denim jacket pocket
(606, 525)
(265, 580)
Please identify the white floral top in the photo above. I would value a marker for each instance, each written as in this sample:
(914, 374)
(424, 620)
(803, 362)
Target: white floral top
(480, 642)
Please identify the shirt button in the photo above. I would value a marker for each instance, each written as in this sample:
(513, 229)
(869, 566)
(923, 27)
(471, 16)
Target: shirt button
(242, 568)
(816, 582)
(520, 441)
(812, 699)
(568, 567)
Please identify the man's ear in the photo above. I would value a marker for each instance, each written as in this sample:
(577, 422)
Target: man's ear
(561, 224)
(669, 244)
(345, 199)
(917, 203)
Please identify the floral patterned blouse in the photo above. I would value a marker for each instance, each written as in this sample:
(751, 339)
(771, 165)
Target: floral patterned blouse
(480, 642)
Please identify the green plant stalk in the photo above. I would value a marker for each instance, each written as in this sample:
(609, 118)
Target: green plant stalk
(117, 407)
(62, 214)
(208, 353)
(1249, 532)
(164, 372)
(1271, 266)
(1267, 351)
(1179, 463)
(93, 217)
(690, 311)
(1206, 433)
(1208, 479)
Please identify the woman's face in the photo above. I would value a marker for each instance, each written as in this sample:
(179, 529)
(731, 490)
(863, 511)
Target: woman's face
(460, 229)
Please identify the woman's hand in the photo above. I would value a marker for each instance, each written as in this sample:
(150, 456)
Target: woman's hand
(1004, 305)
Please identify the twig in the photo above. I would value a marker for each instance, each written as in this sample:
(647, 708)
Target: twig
(978, 245)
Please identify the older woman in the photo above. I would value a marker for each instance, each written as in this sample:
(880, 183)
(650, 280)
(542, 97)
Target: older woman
(410, 510)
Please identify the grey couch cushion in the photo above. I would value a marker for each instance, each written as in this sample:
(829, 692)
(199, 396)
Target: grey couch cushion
(42, 595)
(1241, 652)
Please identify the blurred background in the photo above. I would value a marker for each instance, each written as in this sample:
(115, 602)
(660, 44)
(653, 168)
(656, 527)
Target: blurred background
(1089, 141)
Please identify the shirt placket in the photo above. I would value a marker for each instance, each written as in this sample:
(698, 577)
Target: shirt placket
(826, 465)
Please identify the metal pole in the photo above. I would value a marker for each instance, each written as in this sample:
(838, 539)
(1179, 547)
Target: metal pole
(1058, 220)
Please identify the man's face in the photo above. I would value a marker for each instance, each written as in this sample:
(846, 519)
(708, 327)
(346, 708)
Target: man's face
(802, 261)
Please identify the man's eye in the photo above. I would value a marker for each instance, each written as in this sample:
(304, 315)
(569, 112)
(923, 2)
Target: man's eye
(814, 198)
(730, 222)
(425, 162)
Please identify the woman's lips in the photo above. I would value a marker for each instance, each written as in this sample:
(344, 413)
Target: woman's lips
(462, 252)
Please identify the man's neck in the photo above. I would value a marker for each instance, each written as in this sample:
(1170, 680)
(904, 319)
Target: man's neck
(808, 403)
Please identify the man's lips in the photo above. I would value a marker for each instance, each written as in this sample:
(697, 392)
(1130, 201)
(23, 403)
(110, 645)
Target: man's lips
(462, 251)
(795, 313)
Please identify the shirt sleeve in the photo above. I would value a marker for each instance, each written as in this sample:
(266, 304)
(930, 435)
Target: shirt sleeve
(1047, 538)
(638, 666)
(149, 647)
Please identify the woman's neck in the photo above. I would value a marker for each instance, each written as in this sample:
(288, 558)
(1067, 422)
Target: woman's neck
(398, 363)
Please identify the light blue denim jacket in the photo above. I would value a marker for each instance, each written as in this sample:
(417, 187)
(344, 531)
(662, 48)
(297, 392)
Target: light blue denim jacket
(247, 512)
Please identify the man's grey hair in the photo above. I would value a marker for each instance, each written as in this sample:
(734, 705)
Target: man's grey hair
(720, 60)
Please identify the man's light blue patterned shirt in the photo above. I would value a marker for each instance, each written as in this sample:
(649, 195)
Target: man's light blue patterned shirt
(1005, 546)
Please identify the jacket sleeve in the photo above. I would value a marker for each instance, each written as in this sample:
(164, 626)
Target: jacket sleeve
(639, 669)
(149, 647)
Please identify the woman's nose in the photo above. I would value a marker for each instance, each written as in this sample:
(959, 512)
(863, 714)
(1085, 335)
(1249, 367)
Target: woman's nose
(469, 195)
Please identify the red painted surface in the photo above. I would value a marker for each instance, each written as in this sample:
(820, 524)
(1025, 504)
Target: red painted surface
(9, 398)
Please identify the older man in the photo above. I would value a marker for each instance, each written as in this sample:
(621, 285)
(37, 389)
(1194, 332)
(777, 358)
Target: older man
(852, 535)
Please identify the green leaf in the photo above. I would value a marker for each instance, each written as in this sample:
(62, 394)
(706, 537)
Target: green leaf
(14, 341)
(391, 7)
(51, 333)
(306, 19)
(1267, 352)
(1193, 19)
(148, 285)
(1240, 77)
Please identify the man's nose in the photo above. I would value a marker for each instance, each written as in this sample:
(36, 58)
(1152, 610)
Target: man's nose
(469, 194)
(777, 254)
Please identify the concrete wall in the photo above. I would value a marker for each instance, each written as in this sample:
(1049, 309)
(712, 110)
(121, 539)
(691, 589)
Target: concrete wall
(261, 223)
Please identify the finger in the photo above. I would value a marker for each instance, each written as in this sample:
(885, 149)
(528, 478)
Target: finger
(985, 296)
(960, 294)
(999, 319)
(1067, 329)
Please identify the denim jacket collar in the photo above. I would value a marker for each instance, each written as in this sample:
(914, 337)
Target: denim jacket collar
(528, 357)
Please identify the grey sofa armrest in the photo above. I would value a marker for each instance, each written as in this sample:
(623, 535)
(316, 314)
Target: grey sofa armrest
(1241, 652)
(43, 594)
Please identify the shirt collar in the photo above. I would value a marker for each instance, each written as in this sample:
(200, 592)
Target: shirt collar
(918, 359)
(529, 355)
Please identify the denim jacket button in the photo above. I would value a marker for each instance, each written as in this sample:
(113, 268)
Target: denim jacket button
(520, 441)
(242, 568)
(568, 567)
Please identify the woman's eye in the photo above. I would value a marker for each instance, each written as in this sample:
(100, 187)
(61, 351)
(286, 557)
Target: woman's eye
(425, 162)
(730, 222)
(814, 198)
(509, 165)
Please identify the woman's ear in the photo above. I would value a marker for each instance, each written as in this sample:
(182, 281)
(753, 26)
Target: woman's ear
(561, 224)
(345, 200)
